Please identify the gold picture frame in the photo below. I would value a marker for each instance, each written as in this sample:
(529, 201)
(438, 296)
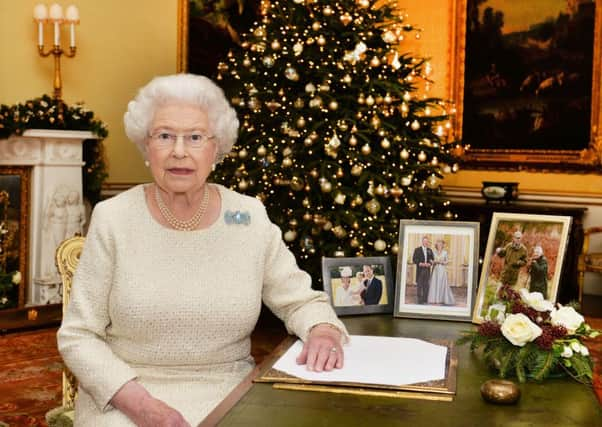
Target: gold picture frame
(548, 232)
(587, 159)
(16, 181)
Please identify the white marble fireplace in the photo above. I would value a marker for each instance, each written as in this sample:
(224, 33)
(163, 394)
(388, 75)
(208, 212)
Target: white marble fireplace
(56, 209)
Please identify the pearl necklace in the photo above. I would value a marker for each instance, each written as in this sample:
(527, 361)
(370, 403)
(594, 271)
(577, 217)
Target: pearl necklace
(178, 224)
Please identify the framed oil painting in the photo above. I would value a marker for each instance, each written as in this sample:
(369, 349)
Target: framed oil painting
(14, 216)
(527, 82)
(362, 285)
(436, 269)
(523, 251)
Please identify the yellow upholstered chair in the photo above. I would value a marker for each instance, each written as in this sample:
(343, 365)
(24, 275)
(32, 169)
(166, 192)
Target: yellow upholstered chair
(588, 261)
(67, 257)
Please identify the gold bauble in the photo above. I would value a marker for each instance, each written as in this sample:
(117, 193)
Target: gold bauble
(380, 190)
(327, 11)
(385, 143)
(271, 158)
(375, 122)
(432, 182)
(342, 125)
(354, 243)
(287, 162)
(246, 62)
(374, 62)
(243, 153)
(314, 173)
(366, 149)
(396, 191)
(404, 154)
(346, 18)
(297, 183)
(373, 206)
(434, 161)
(321, 40)
(358, 200)
(415, 125)
(364, 4)
(347, 79)
(395, 248)
(243, 184)
(307, 216)
(275, 45)
(290, 235)
(299, 103)
(327, 226)
(261, 151)
(333, 105)
(339, 231)
(380, 245)
(370, 101)
(305, 202)
(422, 156)
(361, 99)
(301, 122)
(387, 99)
(326, 187)
(356, 170)
(293, 223)
(316, 26)
(308, 142)
(352, 140)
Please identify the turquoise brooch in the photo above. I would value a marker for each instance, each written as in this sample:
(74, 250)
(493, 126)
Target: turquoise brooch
(237, 217)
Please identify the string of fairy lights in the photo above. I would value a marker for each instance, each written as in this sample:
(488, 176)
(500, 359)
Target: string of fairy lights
(335, 138)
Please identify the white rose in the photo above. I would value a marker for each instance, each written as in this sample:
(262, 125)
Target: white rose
(567, 352)
(575, 346)
(584, 350)
(4, 300)
(519, 329)
(17, 278)
(496, 312)
(535, 300)
(567, 317)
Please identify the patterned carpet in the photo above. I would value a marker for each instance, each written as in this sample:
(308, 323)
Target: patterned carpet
(30, 371)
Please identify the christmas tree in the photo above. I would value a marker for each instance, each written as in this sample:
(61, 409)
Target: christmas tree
(339, 137)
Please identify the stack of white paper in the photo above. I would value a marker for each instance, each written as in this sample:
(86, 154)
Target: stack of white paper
(376, 360)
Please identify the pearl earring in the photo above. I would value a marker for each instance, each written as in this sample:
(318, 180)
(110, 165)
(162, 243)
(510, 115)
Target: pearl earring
(146, 163)
(213, 167)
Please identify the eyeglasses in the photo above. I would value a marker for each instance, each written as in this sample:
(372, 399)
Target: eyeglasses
(165, 139)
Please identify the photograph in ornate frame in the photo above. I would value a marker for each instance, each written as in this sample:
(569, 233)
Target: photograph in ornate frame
(362, 285)
(523, 251)
(526, 82)
(436, 269)
(15, 180)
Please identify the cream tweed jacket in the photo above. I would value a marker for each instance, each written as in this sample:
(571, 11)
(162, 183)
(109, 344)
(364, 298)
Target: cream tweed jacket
(175, 309)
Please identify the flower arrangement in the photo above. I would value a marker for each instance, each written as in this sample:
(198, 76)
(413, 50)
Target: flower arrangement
(529, 337)
(50, 113)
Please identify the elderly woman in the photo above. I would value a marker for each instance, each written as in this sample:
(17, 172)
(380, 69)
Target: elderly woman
(157, 330)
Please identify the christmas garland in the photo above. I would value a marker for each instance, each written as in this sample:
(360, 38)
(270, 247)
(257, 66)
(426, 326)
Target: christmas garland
(49, 113)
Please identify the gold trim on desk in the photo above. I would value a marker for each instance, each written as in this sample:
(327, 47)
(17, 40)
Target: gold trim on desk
(442, 390)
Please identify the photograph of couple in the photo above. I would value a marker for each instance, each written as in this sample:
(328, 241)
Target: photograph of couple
(357, 285)
(525, 252)
(437, 275)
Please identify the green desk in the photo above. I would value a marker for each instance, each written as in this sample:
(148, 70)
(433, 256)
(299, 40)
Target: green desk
(561, 403)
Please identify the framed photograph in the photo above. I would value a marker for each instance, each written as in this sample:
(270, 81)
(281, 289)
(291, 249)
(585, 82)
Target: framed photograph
(523, 251)
(527, 79)
(437, 269)
(362, 285)
(14, 184)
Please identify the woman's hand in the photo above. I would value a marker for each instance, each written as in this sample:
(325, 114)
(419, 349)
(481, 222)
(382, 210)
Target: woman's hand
(322, 351)
(144, 410)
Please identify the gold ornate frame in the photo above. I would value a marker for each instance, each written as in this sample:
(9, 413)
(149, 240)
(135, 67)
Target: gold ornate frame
(182, 50)
(24, 173)
(586, 160)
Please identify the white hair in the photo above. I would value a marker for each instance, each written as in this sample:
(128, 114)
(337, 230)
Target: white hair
(538, 250)
(186, 88)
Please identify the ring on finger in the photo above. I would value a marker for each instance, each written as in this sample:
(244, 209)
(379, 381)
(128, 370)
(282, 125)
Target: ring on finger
(333, 350)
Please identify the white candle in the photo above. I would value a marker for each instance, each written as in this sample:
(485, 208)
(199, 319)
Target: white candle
(40, 33)
(72, 33)
(72, 14)
(56, 12)
(40, 12)
(57, 34)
